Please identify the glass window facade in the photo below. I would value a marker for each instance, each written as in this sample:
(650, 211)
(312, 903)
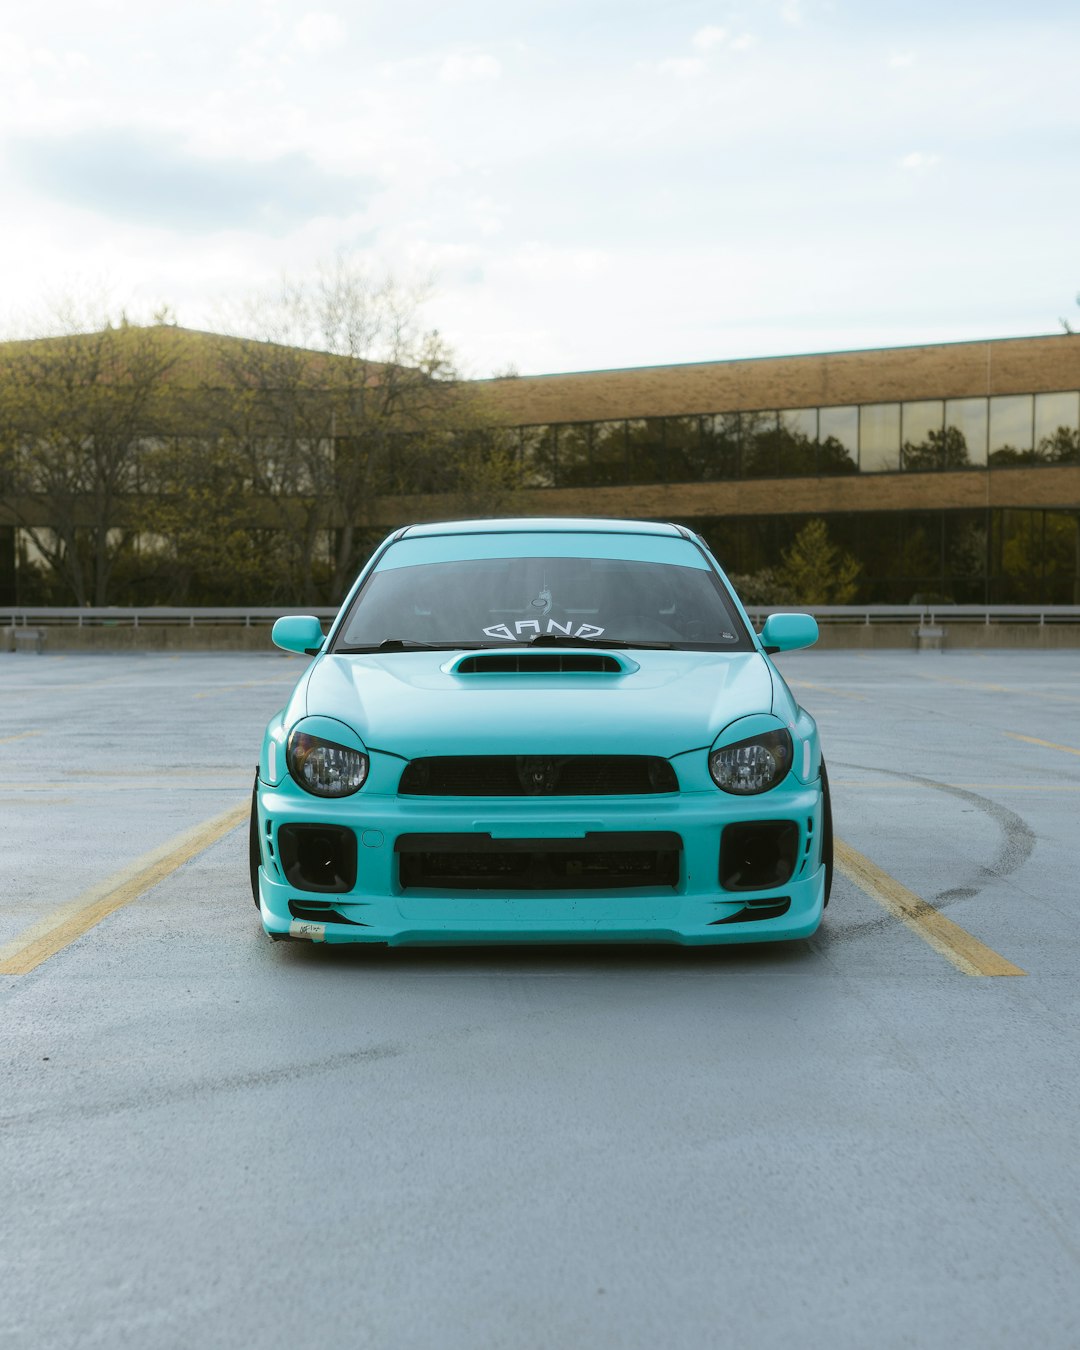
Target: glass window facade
(925, 443)
(760, 445)
(797, 442)
(838, 440)
(1011, 428)
(917, 436)
(608, 454)
(1057, 428)
(967, 422)
(573, 454)
(720, 438)
(685, 454)
(645, 460)
(970, 557)
(879, 437)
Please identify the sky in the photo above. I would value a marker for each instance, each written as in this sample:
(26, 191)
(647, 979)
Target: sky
(583, 184)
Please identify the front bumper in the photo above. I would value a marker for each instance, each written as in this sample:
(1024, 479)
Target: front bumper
(694, 910)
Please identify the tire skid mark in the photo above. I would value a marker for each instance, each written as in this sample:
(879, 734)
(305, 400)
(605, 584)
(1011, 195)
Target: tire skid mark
(201, 1089)
(1017, 837)
(1016, 846)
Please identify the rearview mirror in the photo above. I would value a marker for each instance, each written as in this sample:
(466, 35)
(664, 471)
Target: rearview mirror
(788, 632)
(300, 633)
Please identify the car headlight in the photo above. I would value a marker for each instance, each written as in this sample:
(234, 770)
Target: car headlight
(753, 765)
(324, 768)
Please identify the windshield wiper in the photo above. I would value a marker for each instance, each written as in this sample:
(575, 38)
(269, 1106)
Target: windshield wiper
(563, 640)
(407, 645)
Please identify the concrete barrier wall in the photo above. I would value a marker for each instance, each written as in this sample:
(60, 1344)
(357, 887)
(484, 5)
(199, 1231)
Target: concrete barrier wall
(237, 638)
(878, 636)
(152, 638)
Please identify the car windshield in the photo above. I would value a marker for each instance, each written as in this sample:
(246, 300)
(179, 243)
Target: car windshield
(493, 601)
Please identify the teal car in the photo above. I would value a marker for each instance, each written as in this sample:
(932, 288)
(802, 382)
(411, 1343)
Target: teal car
(541, 731)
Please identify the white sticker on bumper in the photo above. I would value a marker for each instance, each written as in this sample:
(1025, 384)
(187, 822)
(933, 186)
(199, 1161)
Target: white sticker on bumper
(301, 928)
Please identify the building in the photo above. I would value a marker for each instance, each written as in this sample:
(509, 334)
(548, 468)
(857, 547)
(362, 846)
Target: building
(950, 471)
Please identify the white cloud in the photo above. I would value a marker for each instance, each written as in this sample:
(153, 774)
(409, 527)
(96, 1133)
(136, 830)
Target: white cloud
(319, 31)
(681, 68)
(534, 218)
(917, 160)
(460, 69)
(487, 216)
(16, 56)
(791, 12)
(710, 36)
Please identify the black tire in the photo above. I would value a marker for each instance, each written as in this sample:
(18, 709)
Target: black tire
(826, 832)
(254, 852)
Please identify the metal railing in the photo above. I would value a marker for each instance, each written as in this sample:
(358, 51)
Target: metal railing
(263, 616)
(926, 615)
(243, 616)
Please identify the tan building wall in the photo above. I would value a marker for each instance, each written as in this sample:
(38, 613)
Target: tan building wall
(948, 370)
(1056, 487)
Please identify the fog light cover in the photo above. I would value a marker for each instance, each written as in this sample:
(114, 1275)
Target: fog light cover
(318, 857)
(753, 765)
(324, 768)
(758, 855)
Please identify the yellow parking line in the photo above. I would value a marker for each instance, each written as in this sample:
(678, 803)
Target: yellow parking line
(956, 944)
(1050, 745)
(20, 736)
(70, 921)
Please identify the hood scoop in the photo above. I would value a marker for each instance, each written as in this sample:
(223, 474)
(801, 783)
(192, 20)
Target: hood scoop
(541, 663)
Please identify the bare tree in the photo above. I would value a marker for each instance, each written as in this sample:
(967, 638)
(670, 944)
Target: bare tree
(340, 396)
(76, 412)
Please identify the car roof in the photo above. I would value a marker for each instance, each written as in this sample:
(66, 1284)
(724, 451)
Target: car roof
(543, 525)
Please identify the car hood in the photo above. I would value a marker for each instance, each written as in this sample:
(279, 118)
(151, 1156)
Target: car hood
(413, 703)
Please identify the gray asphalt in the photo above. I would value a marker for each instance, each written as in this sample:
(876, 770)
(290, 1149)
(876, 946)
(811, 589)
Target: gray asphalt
(210, 1139)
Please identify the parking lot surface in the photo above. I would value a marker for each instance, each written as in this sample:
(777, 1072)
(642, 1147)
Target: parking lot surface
(850, 1141)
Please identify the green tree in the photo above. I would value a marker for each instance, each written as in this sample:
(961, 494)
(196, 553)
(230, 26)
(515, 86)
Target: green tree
(1040, 557)
(203, 541)
(765, 587)
(816, 571)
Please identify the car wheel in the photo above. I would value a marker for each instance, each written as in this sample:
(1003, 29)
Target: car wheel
(254, 853)
(826, 831)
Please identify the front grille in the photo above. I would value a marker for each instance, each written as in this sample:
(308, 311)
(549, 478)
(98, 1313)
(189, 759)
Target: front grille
(599, 862)
(537, 776)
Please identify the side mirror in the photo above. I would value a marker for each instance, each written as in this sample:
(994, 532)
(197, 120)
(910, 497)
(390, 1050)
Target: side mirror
(301, 633)
(788, 632)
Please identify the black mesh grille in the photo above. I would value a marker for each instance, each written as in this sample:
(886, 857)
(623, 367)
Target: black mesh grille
(537, 776)
(599, 862)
